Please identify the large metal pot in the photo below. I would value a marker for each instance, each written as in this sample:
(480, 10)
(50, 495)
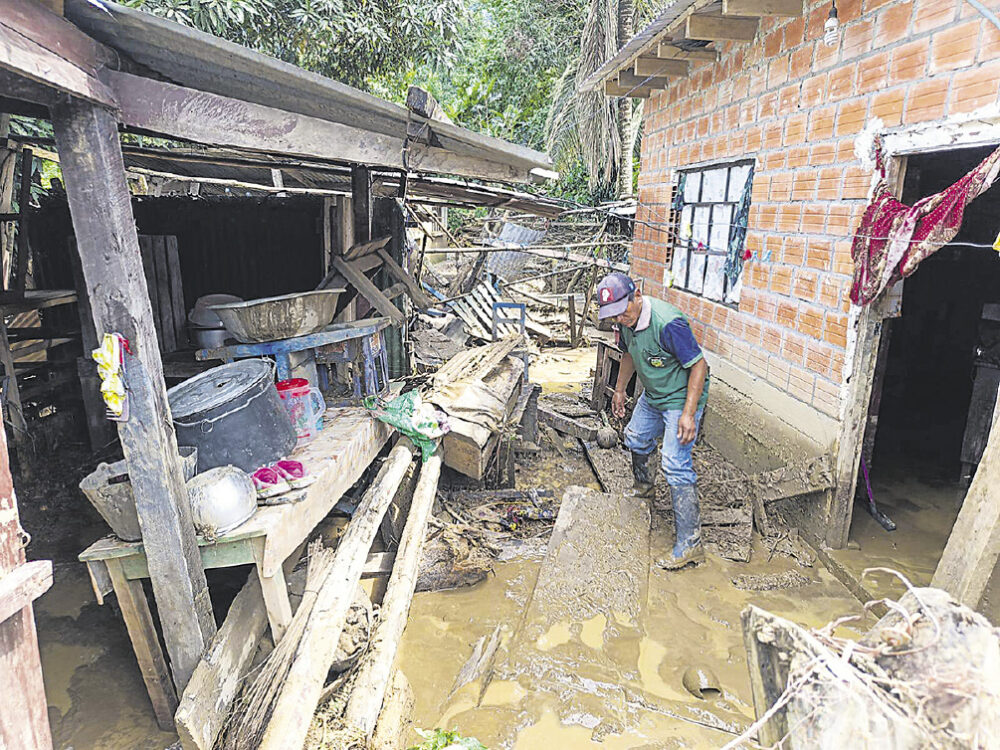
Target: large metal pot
(233, 415)
(221, 499)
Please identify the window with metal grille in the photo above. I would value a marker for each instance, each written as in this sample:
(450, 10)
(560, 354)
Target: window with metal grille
(710, 220)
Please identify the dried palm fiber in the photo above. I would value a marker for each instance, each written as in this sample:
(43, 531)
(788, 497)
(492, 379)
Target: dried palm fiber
(252, 710)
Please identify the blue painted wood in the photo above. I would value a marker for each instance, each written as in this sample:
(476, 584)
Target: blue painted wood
(329, 335)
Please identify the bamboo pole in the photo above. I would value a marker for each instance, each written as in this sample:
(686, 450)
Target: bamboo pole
(365, 702)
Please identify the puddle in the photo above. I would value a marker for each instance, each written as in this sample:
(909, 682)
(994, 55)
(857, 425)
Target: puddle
(691, 618)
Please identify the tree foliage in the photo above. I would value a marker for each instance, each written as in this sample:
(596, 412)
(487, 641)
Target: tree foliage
(349, 40)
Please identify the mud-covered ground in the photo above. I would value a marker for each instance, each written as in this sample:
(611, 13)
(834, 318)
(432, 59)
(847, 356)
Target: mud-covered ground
(97, 699)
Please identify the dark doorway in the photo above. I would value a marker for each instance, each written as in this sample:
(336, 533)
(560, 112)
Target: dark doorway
(942, 342)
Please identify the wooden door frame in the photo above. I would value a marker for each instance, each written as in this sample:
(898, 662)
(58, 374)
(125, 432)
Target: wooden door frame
(962, 132)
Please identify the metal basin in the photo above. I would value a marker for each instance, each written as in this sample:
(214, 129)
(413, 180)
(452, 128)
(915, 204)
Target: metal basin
(284, 317)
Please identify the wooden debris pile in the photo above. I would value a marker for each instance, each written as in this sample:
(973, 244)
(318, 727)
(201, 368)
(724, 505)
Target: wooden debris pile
(927, 675)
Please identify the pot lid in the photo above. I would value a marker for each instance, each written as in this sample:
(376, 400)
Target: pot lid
(217, 386)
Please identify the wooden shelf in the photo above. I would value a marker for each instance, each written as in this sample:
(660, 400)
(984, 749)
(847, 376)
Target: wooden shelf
(12, 303)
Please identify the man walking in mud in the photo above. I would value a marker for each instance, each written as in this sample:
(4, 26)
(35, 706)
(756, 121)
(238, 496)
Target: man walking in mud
(660, 347)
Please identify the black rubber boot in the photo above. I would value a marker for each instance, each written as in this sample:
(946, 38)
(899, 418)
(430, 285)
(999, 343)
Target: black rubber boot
(687, 524)
(640, 472)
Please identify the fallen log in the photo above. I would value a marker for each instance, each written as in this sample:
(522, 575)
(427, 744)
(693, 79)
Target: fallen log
(300, 693)
(369, 688)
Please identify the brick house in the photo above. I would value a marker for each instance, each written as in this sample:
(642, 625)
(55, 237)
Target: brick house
(766, 100)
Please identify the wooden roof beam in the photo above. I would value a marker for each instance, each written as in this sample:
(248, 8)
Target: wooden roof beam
(631, 80)
(654, 66)
(612, 88)
(667, 51)
(762, 8)
(721, 28)
(176, 111)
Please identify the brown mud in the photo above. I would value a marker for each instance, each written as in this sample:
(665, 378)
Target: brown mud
(97, 700)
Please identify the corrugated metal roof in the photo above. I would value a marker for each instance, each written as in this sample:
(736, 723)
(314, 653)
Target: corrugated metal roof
(255, 170)
(192, 58)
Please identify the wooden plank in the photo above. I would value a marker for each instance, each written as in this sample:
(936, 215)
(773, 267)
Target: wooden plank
(23, 585)
(762, 8)
(649, 65)
(424, 104)
(419, 297)
(369, 688)
(164, 299)
(28, 54)
(362, 249)
(613, 88)
(145, 644)
(369, 291)
(721, 29)
(566, 425)
(296, 702)
(24, 221)
(276, 601)
(801, 478)
(100, 205)
(190, 114)
(631, 80)
(667, 51)
(219, 675)
(12, 391)
(973, 547)
(176, 291)
(361, 203)
(12, 303)
(149, 273)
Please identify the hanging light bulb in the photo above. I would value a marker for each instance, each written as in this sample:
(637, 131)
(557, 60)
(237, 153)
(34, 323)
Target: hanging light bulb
(832, 27)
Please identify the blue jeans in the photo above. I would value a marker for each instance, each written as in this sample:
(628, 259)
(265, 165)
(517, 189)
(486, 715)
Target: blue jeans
(647, 424)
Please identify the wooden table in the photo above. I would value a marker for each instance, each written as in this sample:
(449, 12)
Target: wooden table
(349, 442)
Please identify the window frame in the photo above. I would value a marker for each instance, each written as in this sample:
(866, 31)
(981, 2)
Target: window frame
(689, 245)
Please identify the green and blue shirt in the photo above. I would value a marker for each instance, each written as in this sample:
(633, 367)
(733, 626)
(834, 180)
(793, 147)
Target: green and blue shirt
(663, 348)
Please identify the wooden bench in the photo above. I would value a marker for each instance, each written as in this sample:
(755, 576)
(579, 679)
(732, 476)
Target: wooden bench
(337, 457)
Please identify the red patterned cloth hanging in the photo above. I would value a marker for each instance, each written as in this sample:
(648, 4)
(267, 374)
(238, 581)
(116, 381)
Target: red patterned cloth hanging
(893, 238)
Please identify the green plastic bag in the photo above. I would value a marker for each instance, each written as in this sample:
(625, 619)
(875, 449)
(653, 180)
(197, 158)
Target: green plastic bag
(420, 422)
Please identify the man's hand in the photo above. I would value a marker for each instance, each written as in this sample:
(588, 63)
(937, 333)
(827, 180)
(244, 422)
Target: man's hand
(618, 404)
(685, 428)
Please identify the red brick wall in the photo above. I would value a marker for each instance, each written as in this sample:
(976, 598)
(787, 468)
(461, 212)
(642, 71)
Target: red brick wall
(797, 106)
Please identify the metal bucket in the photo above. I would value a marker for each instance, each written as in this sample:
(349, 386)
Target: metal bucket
(233, 415)
(109, 490)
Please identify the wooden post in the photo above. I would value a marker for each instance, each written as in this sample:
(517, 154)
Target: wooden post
(19, 282)
(327, 234)
(973, 546)
(24, 721)
(361, 203)
(8, 158)
(100, 204)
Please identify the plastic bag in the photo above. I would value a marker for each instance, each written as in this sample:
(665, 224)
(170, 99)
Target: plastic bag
(419, 421)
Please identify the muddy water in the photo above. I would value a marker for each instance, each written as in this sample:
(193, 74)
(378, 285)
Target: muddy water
(97, 700)
(924, 511)
(691, 619)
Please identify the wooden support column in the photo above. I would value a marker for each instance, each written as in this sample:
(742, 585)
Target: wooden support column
(100, 205)
(19, 281)
(973, 547)
(361, 203)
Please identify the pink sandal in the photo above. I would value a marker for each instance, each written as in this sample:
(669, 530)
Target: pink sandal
(269, 483)
(294, 473)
